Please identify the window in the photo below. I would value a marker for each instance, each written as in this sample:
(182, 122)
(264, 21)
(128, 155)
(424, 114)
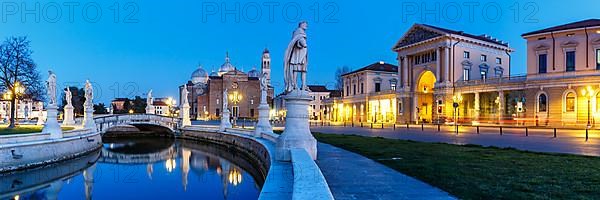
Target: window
(542, 63)
(570, 102)
(466, 74)
(347, 90)
(498, 60)
(252, 112)
(542, 103)
(354, 89)
(466, 54)
(400, 107)
(499, 71)
(483, 58)
(251, 101)
(362, 88)
(377, 87)
(393, 87)
(483, 75)
(218, 100)
(218, 112)
(570, 61)
(597, 58)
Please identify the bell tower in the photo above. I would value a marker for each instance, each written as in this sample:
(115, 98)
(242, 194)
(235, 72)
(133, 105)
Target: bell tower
(266, 65)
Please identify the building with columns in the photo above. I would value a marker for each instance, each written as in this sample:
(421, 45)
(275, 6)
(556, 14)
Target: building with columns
(434, 61)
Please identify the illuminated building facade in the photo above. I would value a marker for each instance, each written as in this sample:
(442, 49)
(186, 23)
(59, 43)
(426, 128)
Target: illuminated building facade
(316, 108)
(368, 95)
(449, 76)
(206, 90)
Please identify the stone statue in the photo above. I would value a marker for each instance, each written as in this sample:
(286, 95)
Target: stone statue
(89, 93)
(296, 59)
(225, 100)
(263, 82)
(51, 84)
(149, 98)
(184, 96)
(68, 96)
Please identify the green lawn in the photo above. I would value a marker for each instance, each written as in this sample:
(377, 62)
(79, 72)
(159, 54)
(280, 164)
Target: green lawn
(475, 172)
(24, 129)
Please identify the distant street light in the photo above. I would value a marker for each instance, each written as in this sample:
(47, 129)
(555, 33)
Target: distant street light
(235, 98)
(457, 99)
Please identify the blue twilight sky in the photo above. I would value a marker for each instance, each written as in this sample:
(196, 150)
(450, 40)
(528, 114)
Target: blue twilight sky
(133, 45)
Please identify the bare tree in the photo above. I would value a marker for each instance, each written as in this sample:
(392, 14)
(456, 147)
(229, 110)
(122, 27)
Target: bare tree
(18, 73)
(339, 84)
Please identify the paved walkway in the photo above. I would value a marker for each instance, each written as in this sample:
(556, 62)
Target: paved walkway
(540, 140)
(352, 176)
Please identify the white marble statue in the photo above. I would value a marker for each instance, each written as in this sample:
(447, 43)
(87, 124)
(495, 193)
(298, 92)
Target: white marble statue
(296, 59)
(69, 96)
(149, 98)
(184, 96)
(51, 84)
(225, 100)
(89, 93)
(263, 82)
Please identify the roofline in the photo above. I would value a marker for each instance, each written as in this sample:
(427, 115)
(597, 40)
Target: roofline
(561, 31)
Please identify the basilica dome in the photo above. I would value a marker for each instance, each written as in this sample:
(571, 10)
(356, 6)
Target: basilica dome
(227, 66)
(253, 73)
(199, 76)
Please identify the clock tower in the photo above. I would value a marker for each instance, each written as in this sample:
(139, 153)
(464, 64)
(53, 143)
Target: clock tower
(266, 65)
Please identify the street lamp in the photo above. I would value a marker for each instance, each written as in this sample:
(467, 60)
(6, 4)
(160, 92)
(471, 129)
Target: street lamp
(589, 93)
(171, 102)
(457, 99)
(235, 98)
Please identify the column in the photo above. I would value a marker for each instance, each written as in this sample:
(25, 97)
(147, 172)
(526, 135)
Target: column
(447, 65)
(415, 114)
(404, 71)
(438, 66)
(501, 107)
(476, 117)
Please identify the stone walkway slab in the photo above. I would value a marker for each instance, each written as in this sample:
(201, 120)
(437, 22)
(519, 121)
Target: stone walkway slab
(352, 176)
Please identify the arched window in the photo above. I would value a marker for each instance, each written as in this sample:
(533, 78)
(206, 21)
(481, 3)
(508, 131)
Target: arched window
(542, 103)
(570, 102)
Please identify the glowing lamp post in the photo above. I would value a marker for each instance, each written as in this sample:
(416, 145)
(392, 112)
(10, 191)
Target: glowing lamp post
(235, 98)
(457, 99)
(589, 93)
(171, 102)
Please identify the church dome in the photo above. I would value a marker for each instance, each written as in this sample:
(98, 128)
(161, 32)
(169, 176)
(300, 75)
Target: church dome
(253, 73)
(199, 76)
(227, 66)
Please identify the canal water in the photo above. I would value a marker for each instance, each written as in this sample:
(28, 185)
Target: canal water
(142, 168)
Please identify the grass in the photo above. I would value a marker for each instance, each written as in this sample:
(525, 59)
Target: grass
(25, 129)
(476, 172)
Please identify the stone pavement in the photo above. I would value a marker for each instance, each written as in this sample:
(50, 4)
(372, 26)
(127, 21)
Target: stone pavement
(352, 176)
(539, 140)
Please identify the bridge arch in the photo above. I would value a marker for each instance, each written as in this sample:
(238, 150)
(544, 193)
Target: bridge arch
(140, 121)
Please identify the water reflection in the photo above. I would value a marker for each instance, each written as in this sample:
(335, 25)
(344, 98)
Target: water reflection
(151, 168)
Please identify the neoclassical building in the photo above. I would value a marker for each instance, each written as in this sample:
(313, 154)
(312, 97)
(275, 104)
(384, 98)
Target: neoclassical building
(206, 90)
(471, 81)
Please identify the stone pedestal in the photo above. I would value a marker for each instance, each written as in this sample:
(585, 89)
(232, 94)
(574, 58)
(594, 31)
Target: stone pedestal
(41, 118)
(263, 125)
(185, 115)
(51, 126)
(69, 118)
(297, 130)
(225, 123)
(150, 110)
(88, 117)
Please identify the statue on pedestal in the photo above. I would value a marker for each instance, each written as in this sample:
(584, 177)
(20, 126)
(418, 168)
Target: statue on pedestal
(296, 59)
(69, 118)
(149, 102)
(185, 108)
(263, 125)
(88, 107)
(225, 123)
(297, 133)
(51, 126)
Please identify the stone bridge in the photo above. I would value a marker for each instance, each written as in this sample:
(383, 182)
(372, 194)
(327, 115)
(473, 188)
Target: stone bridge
(104, 123)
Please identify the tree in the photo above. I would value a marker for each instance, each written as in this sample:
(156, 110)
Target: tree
(127, 105)
(339, 82)
(18, 73)
(100, 109)
(139, 105)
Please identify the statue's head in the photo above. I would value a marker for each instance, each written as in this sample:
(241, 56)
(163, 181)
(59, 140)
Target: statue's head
(303, 25)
